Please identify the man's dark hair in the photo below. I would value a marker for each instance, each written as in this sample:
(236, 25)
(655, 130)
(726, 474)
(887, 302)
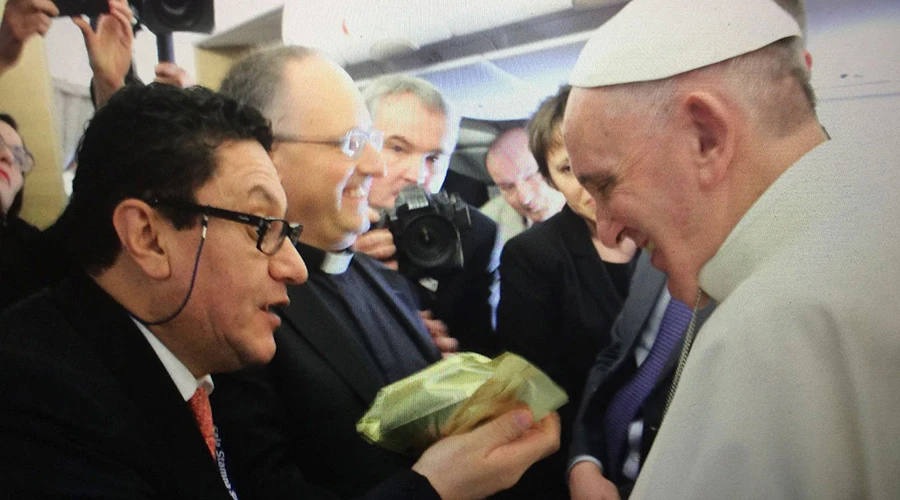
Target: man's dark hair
(153, 142)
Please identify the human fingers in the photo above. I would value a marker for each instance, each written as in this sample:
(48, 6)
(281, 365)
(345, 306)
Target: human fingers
(535, 443)
(33, 16)
(374, 215)
(503, 430)
(47, 7)
(378, 243)
(461, 467)
(437, 328)
(586, 482)
(43, 25)
(121, 12)
(166, 72)
(173, 74)
(446, 345)
(86, 31)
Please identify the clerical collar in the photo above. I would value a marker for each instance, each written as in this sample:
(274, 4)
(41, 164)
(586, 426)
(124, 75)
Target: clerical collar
(326, 262)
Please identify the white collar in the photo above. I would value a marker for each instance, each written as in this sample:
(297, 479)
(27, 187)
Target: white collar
(772, 223)
(336, 262)
(184, 380)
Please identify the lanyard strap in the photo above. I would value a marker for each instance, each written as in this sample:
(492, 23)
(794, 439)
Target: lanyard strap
(220, 463)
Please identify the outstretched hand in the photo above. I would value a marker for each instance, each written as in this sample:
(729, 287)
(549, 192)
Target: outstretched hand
(490, 458)
(109, 48)
(21, 20)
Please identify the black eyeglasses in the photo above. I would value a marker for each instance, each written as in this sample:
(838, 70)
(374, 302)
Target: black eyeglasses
(352, 143)
(21, 156)
(270, 231)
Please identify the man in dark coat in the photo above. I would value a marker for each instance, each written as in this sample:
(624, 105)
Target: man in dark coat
(176, 226)
(290, 429)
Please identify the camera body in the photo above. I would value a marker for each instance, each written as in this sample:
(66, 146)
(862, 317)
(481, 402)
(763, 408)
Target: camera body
(426, 230)
(160, 16)
(90, 8)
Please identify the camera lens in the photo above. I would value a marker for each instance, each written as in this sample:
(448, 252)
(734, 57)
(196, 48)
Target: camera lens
(429, 241)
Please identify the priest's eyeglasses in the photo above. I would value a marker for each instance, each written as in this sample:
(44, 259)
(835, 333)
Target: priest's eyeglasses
(352, 143)
(270, 231)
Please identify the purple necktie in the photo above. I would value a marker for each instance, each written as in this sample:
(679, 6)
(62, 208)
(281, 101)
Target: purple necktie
(624, 406)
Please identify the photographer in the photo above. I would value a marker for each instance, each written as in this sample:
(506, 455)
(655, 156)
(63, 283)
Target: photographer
(420, 134)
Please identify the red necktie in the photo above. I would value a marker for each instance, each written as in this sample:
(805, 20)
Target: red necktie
(199, 404)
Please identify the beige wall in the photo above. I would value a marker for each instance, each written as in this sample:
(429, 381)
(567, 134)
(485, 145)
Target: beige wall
(26, 93)
(213, 65)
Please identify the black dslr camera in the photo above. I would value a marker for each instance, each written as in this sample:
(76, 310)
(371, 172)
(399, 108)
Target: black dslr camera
(90, 8)
(426, 230)
(160, 16)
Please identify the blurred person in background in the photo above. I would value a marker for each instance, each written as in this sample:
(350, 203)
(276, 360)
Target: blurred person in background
(525, 196)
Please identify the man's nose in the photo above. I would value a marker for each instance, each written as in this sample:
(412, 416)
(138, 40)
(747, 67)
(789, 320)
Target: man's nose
(371, 162)
(414, 173)
(608, 230)
(524, 192)
(287, 266)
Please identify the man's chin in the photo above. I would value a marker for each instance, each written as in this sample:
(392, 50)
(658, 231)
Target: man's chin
(684, 290)
(537, 215)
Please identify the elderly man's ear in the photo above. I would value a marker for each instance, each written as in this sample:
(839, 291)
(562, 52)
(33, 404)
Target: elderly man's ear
(145, 237)
(711, 126)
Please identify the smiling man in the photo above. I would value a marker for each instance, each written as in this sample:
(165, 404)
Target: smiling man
(290, 429)
(177, 226)
(705, 148)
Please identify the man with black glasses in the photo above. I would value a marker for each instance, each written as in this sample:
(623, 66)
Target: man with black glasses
(289, 430)
(176, 222)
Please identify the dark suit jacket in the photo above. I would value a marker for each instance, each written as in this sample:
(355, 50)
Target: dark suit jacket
(289, 430)
(30, 259)
(616, 365)
(466, 299)
(558, 303)
(87, 410)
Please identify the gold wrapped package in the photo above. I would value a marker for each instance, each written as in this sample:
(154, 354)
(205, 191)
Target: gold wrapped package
(454, 396)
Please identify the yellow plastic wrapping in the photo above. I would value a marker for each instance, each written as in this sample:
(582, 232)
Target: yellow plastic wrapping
(454, 396)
